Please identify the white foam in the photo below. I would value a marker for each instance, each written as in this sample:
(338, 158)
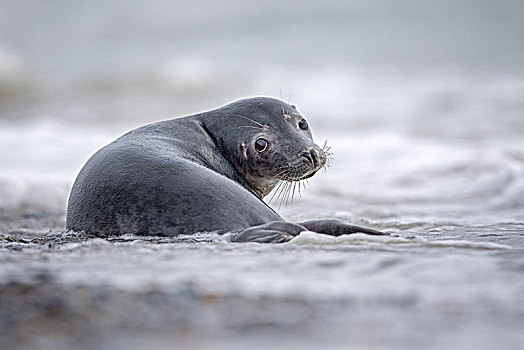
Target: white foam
(360, 239)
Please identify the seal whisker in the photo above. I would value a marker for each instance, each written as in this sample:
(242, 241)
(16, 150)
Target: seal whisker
(241, 116)
(282, 102)
(275, 190)
(326, 148)
(288, 192)
(297, 185)
(284, 194)
(252, 127)
(280, 194)
(279, 190)
(276, 195)
(283, 167)
(329, 161)
(280, 175)
(277, 175)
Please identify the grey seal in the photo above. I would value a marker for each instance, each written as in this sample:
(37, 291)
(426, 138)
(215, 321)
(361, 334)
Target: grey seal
(207, 172)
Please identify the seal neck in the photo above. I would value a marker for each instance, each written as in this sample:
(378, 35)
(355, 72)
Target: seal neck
(227, 167)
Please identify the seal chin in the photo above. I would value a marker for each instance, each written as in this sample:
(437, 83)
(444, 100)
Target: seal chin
(310, 175)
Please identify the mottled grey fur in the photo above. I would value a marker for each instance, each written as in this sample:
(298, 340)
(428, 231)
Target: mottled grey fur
(200, 173)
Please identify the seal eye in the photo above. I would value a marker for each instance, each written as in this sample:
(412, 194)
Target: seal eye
(303, 124)
(261, 145)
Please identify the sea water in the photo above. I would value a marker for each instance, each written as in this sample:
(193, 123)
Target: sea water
(425, 117)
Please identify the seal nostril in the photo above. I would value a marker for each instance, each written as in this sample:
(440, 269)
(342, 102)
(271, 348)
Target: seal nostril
(314, 157)
(307, 155)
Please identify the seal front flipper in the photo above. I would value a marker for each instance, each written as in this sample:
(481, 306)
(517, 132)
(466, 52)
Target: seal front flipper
(273, 232)
(335, 227)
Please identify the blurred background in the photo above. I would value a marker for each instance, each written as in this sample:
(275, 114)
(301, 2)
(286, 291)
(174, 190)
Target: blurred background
(422, 103)
(421, 100)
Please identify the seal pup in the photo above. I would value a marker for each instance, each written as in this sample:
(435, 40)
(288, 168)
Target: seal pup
(207, 172)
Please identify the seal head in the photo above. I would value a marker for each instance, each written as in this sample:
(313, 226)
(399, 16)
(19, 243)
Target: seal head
(268, 141)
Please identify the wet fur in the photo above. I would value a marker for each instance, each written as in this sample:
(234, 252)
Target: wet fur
(194, 174)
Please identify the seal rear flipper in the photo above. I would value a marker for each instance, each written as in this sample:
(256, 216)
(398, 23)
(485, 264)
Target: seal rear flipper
(335, 227)
(273, 232)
